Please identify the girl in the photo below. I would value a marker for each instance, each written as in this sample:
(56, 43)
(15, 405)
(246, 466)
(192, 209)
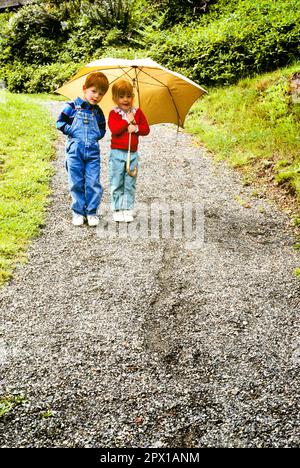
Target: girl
(123, 120)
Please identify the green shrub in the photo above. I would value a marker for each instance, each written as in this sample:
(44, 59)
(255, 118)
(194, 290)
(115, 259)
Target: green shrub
(15, 76)
(38, 50)
(109, 13)
(233, 40)
(81, 44)
(119, 52)
(181, 10)
(48, 78)
(32, 79)
(256, 37)
(31, 35)
(34, 19)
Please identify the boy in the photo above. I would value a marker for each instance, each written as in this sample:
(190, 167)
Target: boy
(124, 119)
(84, 123)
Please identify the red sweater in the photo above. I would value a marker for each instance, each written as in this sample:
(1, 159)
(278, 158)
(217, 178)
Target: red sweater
(119, 133)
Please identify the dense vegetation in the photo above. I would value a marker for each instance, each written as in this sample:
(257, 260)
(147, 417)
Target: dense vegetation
(214, 42)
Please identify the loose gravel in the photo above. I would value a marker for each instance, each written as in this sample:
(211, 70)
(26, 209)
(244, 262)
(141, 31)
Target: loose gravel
(156, 342)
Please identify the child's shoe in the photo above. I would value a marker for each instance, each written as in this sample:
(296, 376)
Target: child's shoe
(128, 216)
(92, 220)
(118, 216)
(78, 219)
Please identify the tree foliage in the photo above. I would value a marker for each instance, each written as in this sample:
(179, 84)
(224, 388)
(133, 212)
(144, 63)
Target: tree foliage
(180, 10)
(253, 38)
(211, 41)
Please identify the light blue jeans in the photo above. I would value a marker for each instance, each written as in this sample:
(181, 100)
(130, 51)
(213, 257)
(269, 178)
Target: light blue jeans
(121, 185)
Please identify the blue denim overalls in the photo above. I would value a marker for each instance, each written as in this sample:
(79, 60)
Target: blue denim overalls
(83, 162)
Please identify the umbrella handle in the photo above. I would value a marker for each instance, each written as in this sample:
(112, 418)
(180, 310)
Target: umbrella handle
(129, 172)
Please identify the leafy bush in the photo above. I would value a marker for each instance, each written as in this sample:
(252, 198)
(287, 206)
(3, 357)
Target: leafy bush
(44, 33)
(38, 50)
(181, 10)
(31, 36)
(103, 14)
(233, 40)
(32, 79)
(82, 43)
(120, 52)
(34, 19)
(48, 78)
(109, 13)
(14, 77)
(256, 37)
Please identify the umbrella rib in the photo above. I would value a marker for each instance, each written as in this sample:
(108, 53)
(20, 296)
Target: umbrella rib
(127, 74)
(103, 70)
(118, 77)
(137, 86)
(140, 70)
(163, 84)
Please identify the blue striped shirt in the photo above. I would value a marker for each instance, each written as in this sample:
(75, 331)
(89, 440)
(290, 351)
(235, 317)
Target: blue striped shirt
(66, 117)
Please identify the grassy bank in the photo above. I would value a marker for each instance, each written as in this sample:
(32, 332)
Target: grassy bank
(26, 149)
(255, 127)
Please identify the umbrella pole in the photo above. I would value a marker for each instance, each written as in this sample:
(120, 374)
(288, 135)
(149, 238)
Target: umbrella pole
(129, 172)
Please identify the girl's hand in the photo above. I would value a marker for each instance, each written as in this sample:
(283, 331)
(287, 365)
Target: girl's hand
(130, 117)
(131, 128)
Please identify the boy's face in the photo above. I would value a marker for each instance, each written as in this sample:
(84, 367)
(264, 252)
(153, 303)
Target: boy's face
(125, 102)
(93, 94)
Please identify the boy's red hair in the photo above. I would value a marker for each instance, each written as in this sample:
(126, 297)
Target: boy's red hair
(97, 79)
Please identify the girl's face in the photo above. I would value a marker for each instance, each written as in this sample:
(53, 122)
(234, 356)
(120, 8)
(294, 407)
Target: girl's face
(125, 102)
(93, 94)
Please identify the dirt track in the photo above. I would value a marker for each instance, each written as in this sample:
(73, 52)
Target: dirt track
(156, 342)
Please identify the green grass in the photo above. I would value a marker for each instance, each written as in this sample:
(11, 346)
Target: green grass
(26, 149)
(7, 403)
(254, 125)
(47, 414)
(46, 97)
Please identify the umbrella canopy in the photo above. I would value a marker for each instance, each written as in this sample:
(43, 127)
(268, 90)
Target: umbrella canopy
(163, 95)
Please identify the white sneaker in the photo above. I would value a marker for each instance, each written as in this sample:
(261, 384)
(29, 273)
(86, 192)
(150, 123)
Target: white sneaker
(77, 220)
(93, 220)
(128, 216)
(118, 216)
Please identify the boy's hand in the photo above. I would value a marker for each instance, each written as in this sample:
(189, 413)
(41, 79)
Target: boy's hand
(131, 128)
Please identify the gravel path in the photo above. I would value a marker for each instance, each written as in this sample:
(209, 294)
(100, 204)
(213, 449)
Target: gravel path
(156, 342)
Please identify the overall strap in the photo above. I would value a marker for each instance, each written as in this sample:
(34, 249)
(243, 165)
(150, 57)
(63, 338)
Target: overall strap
(77, 105)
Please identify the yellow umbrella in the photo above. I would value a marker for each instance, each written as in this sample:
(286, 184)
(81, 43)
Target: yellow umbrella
(163, 95)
